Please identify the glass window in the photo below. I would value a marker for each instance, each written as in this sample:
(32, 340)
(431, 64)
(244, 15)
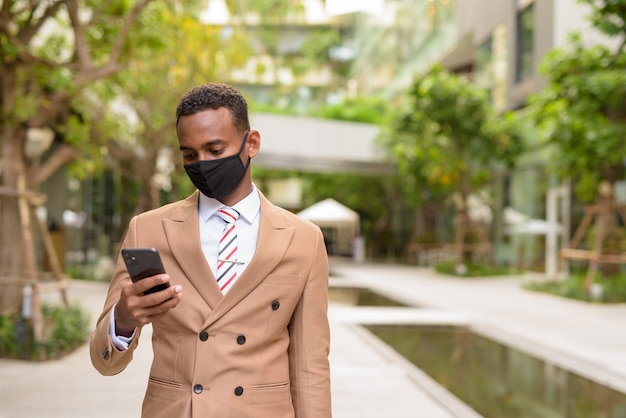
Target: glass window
(484, 65)
(525, 42)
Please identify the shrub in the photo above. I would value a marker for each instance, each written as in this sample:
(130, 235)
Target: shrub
(69, 330)
(604, 290)
(472, 269)
(9, 346)
(65, 329)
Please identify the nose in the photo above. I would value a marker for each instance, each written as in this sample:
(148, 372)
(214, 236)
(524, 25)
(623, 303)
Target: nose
(204, 155)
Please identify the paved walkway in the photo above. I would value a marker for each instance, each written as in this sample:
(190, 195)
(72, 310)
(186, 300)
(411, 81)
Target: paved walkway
(368, 378)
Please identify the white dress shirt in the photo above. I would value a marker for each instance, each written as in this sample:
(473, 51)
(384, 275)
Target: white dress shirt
(211, 227)
(247, 225)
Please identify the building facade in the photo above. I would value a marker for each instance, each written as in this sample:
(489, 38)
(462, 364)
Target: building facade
(499, 45)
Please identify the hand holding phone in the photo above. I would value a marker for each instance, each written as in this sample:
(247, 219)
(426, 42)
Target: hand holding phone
(142, 263)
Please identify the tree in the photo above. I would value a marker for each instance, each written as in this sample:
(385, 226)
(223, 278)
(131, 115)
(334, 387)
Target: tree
(449, 140)
(581, 114)
(192, 53)
(51, 52)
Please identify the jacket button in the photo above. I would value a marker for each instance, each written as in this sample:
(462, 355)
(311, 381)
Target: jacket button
(106, 354)
(197, 389)
(238, 391)
(204, 336)
(275, 305)
(241, 340)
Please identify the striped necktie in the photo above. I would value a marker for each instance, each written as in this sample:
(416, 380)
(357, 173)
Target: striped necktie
(227, 253)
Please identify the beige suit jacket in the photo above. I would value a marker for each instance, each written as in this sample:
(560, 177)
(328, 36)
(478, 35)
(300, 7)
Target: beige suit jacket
(259, 351)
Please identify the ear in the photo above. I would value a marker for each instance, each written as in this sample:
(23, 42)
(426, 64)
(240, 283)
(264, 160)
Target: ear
(253, 143)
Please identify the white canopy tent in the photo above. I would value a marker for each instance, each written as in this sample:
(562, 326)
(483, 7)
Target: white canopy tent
(339, 224)
(518, 223)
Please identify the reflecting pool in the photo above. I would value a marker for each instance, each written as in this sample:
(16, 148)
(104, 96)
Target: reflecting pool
(499, 381)
(359, 296)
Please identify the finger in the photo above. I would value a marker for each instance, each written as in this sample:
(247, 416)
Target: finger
(157, 298)
(142, 285)
(175, 292)
(166, 299)
(167, 304)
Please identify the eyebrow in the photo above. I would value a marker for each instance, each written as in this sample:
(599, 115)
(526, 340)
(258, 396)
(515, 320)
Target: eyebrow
(206, 144)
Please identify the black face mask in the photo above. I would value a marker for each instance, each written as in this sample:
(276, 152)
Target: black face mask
(218, 178)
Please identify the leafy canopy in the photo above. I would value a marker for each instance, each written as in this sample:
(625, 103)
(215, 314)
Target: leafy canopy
(581, 113)
(449, 137)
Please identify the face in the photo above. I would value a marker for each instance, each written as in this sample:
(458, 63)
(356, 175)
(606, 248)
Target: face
(211, 135)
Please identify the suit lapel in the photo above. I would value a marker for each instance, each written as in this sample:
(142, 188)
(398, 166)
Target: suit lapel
(183, 234)
(273, 241)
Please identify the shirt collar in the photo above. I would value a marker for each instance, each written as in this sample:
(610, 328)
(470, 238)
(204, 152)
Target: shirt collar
(248, 207)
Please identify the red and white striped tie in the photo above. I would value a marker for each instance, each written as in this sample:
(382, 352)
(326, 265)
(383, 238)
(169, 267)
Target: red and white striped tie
(227, 254)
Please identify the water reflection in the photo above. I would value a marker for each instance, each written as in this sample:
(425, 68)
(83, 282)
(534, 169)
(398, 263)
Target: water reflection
(499, 381)
(359, 296)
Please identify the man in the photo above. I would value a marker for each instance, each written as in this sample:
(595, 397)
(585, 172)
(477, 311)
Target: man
(252, 343)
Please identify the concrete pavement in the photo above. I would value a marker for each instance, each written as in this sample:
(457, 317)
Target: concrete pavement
(368, 378)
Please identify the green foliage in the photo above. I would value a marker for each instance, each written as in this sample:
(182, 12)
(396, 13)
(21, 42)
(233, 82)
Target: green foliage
(188, 53)
(65, 330)
(314, 51)
(9, 346)
(359, 109)
(473, 270)
(318, 43)
(25, 106)
(370, 196)
(609, 16)
(77, 47)
(613, 289)
(581, 113)
(75, 131)
(87, 272)
(269, 10)
(449, 136)
(69, 329)
(271, 107)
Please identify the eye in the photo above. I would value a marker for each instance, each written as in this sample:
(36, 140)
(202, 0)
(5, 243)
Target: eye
(189, 156)
(217, 150)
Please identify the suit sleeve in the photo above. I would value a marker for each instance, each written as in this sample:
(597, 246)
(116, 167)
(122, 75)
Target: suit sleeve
(105, 357)
(310, 340)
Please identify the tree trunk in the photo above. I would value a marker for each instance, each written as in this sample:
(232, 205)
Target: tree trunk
(12, 267)
(462, 226)
(462, 223)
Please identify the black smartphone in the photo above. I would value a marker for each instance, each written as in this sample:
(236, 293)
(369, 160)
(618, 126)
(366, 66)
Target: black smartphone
(142, 263)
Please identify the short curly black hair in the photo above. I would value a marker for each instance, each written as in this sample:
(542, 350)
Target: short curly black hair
(213, 96)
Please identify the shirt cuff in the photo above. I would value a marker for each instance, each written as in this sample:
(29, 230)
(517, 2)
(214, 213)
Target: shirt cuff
(120, 342)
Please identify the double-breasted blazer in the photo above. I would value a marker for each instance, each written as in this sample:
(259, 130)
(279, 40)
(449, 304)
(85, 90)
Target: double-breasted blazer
(261, 350)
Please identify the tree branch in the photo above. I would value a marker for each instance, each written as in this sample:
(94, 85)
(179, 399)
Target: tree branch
(61, 156)
(29, 30)
(57, 103)
(620, 49)
(22, 39)
(85, 77)
(4, 10)
(90, 74)
(123, 34)
(82, 51)
(125, 157)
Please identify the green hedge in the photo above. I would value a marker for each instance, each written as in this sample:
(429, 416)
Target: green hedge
(605, 289)
(65, 329)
